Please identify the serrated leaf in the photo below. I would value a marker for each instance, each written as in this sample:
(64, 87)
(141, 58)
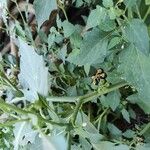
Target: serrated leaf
(93, 50)
(23, 134)
(136, 32)
(33, 74)
(43, 9)
(96, 16)
(125, 115)
(135, 68)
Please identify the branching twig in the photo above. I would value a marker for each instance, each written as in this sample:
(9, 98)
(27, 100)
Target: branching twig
(91, 96)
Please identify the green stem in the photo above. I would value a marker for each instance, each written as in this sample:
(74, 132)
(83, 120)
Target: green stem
(10, 123)
(24, 112)
(69, 141)
(138, 12)
(5, 78)
(99, 120)
(145, 129)
(62, 99)
(130, 14)
(62, 7)
(88, 97)
(146, 14)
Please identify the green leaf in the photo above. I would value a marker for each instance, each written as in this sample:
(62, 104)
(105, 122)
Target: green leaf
(68, 28)
(107, 24)
(75, 40)
(112, 100)
(114, 41)
(23, 133)
(85, 144)
(63, 53)
(135, 68)
(135, 99)
(147, 2)
(56, 142)
(130, 3)
(136, 32)
(114, 130)
(96, 16)
(125, 115)
(79, 3)
(87, 69)
(36, 145)
(51, 39)
(143, 147)
(43, 9)
(33, 74)
(93, 50)
(106, 145)
(88, 130)
(129, 134)
(108, 3)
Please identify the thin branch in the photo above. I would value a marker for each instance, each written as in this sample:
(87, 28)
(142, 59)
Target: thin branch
(147, 13)
(88, 97)
(25, 112)
(10, 123)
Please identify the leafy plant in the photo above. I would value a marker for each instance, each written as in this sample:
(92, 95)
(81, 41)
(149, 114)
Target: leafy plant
(75, 75)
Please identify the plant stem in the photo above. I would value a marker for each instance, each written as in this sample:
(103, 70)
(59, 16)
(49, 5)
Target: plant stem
(146, 14)
(138, 12)
(145, 129)
(62, 7)
(24, 112)
(69, 141)
(91, 96)
(62, 99)
(10, 123)
(5, 78)
(99, 120)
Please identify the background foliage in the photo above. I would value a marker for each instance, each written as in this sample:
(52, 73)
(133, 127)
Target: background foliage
(50, 53)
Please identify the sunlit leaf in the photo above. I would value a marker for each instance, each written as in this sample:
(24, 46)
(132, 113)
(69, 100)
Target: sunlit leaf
(33, 74)
(23, 133)
(54, 143)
